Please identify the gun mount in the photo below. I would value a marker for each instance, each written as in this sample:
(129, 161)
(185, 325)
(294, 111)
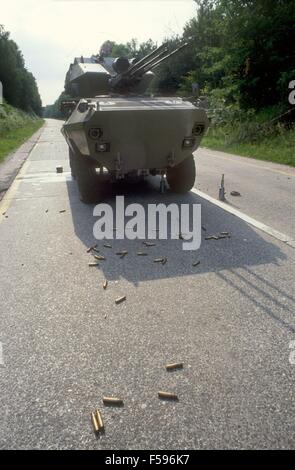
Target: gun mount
(99, 75)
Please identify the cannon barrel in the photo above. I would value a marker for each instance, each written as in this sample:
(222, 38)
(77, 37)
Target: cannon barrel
(154, 65)
(147, 63)
(147, 57)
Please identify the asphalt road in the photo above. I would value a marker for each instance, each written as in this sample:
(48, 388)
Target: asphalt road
(267, 189)
(66, 344)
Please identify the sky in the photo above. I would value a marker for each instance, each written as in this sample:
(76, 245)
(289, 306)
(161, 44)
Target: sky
(50, 33)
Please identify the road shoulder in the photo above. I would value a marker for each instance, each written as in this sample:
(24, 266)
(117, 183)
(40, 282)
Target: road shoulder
(246, 160)
(14, 161)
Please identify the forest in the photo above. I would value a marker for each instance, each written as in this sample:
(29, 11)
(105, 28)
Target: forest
(19, 85)
(20, 106)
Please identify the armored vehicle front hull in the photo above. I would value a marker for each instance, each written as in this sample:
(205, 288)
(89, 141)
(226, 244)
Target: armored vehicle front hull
(124, 136)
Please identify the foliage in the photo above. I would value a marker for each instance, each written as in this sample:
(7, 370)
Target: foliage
(245, 48)
(277, 147)
(15, 127)
(19, 85)
(13, 118)
(132, 49)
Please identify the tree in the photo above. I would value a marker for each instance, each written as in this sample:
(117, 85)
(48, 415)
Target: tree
(19, 85)
(244, 47)
(132, 49)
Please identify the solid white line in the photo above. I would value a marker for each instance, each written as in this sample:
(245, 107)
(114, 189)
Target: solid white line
(1, 354)
(255, 223)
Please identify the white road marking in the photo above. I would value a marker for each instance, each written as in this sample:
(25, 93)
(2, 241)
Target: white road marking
(5, 203)
(255, 223)
(40, 178)
(1, 355)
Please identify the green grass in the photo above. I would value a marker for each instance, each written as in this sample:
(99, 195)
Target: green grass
(11, 140)
(15, 128)
(277, 148)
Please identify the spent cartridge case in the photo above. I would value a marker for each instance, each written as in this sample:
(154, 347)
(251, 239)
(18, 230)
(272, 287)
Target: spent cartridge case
(94, 422)
(120, 299)
(174, 365)
(113, 401)
(99, 419)
(167, 395)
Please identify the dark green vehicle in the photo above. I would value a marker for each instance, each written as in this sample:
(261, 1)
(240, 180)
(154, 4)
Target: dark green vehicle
(115, 130)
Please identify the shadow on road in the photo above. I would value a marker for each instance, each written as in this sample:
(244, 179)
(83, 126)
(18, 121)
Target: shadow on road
(245, 248)
(263, 294)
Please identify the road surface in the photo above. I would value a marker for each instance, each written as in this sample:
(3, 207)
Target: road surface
(267, 189)
(65, 343)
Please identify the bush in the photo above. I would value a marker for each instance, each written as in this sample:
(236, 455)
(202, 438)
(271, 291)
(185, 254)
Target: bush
(12, 118)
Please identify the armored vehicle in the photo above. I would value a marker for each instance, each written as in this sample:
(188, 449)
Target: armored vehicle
(116, 130)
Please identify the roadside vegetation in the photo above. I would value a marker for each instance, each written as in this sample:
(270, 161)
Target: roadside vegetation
(19, 85)
(268, 134)
(16, 127)
(20, 113)
(278, 148)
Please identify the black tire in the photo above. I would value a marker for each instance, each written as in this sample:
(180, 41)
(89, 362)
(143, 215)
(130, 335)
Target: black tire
(181, 178)
(72, 163)
(84, 170)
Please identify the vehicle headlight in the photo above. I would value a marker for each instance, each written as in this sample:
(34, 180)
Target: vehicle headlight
(188, 142)
(103, 147)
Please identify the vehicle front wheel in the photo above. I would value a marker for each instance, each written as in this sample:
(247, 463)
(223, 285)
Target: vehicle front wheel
(72, 163)
(181, 178)
(84, 170)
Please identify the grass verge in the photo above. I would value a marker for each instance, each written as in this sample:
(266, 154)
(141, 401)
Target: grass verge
(12, 139)
(278, 148)
(267, 134)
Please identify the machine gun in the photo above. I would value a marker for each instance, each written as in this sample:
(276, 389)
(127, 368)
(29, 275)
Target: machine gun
(130, 76)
